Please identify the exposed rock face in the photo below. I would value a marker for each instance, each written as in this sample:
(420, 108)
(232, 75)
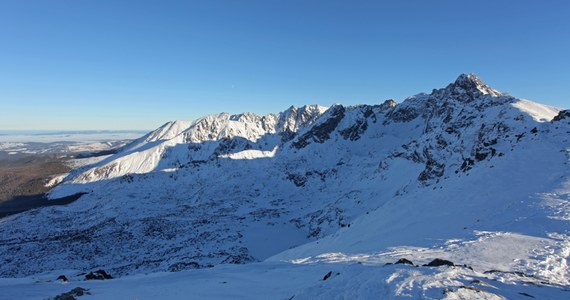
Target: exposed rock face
(404, 261)
(293, 119)
(468, 87)
(361, 123)
(562, 115)
(388, 104)
(98, 275)
(321, 131)
(439, 262)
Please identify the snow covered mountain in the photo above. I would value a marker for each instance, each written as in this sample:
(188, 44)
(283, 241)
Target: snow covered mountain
(464, 173)
(208, 137)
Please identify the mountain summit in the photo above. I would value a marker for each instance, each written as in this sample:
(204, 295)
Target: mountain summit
(470, 83)
(465, 174)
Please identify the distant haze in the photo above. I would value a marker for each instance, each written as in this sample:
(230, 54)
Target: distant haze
(46, 136)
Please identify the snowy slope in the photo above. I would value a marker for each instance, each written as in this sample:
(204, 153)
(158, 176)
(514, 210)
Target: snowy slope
(465, 174)
(296, 281)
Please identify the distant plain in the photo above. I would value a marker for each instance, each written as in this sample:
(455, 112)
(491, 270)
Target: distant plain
(30, 160)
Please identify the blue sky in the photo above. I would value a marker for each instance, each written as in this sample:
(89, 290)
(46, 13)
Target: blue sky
(96, 64)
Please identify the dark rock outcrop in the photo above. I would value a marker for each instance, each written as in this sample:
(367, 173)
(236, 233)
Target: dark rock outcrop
(76, 292)
(98, 275)
(563, 114)
(321, 132)
(404, 261)
(439, 262)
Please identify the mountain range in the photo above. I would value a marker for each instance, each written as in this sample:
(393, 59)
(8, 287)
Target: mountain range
(465, 174)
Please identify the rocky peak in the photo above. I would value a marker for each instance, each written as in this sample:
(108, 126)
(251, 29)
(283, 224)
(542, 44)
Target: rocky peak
(388, 104)
(294, 118)
(471, 86)
(246, 117)
(466, 92)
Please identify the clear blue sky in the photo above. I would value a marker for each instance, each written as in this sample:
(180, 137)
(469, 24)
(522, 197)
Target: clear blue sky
(96, 64)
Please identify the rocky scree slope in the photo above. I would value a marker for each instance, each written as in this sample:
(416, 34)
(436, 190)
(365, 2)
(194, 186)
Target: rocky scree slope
(243, 188)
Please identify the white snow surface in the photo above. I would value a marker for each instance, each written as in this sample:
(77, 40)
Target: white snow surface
(316, 204)
(251, 154)
(539, 112)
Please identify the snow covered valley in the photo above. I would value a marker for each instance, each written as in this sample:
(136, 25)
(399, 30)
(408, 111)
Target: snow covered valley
(463, 193)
